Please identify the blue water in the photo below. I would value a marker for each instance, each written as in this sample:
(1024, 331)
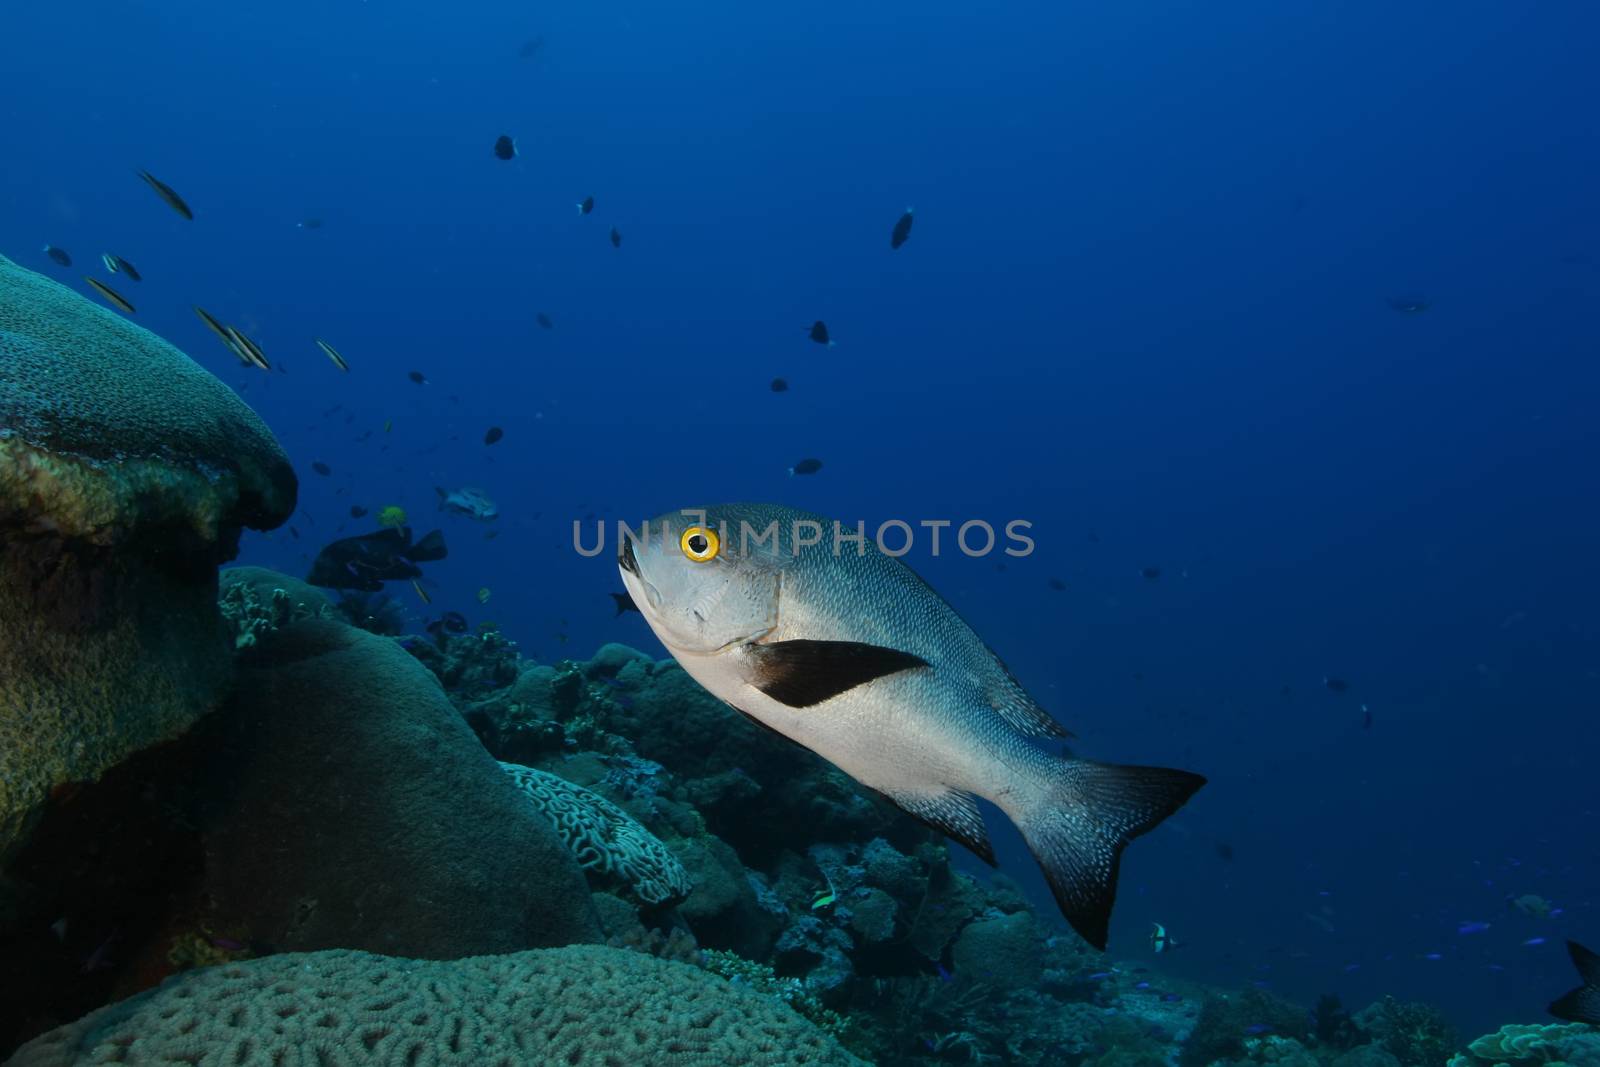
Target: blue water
(1144, 306)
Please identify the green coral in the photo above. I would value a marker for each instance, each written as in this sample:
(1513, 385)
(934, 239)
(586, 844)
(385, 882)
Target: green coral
(126, 474)
(1529, 1045)
(762, 979)
(107, 428)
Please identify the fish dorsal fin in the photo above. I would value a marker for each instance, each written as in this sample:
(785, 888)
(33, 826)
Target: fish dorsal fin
(1021, 713)
(1582, 1005)
(1587, 963)
(803, 673)
(952, 813)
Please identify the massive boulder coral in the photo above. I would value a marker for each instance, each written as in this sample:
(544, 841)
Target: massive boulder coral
(606, 841)
(349, 806)
(126, 474)
(585, 1006)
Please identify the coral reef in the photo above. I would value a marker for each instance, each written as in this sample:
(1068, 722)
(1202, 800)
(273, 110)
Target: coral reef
(585, 1005)
(405, 836)
(607, 841)
(257, 603)
(1525, 1046)
(1416, 1034)
(117, 503)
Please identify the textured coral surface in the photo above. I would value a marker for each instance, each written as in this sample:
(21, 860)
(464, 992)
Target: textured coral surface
(580, 1006)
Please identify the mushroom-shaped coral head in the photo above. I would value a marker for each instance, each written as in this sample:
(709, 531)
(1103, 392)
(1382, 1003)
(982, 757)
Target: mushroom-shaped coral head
(106, 430)
(126, 474)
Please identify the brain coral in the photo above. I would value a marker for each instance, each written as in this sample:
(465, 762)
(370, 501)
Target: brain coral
(605, 839)
(126, 473)
(583, 1006)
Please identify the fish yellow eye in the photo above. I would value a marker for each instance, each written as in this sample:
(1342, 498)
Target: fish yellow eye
(701, 544)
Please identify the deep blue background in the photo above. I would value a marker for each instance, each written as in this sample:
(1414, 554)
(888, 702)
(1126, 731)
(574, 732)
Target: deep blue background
(1143, 306)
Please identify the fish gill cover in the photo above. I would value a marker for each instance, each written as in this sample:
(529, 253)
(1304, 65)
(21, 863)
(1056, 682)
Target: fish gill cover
(1273, 325)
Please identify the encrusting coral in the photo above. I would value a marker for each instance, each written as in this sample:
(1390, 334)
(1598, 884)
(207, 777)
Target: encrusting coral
(607, 841)
(583, 1006)
(117, 503)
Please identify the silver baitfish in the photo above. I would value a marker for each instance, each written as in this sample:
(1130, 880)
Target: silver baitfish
(856, 658)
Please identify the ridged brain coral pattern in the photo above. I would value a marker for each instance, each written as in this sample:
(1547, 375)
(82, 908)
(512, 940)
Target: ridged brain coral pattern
(581, 1006)
(604, 838)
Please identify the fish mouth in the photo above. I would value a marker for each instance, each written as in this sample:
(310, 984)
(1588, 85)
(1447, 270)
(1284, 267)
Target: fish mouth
(626, 560)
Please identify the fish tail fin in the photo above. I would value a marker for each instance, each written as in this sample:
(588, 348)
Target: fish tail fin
(1085, 816)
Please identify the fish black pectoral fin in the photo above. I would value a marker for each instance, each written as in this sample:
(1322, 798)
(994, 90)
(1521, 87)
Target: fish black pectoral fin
(803, 673)
(1084, 819)
(952, 813)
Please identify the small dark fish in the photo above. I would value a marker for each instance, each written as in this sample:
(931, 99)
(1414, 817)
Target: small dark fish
(902, 230)
(117, 265)
(1057, 584)
(1171, 998)
(625, 604)
(819, 333)
(505, 148)
(1335, 685)
(294, 533)
(166, 193)
(357, 511)
(806, 466)
(114, 298)
(530, 48)
(1408, 305)
(309, 224)
(1224, 851)
(100, 958)
(616, 238)
(1257, 1029)
(454, 621)
(586, 205)
(58, 256)
(1151, 574)
(333, 354)
(493, 434)
(544, 320)
(779, 385)
(417, 377)
(322, 468)
(1366, 717)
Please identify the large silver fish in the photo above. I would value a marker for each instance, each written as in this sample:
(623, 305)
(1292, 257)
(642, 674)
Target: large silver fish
(856, 658)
